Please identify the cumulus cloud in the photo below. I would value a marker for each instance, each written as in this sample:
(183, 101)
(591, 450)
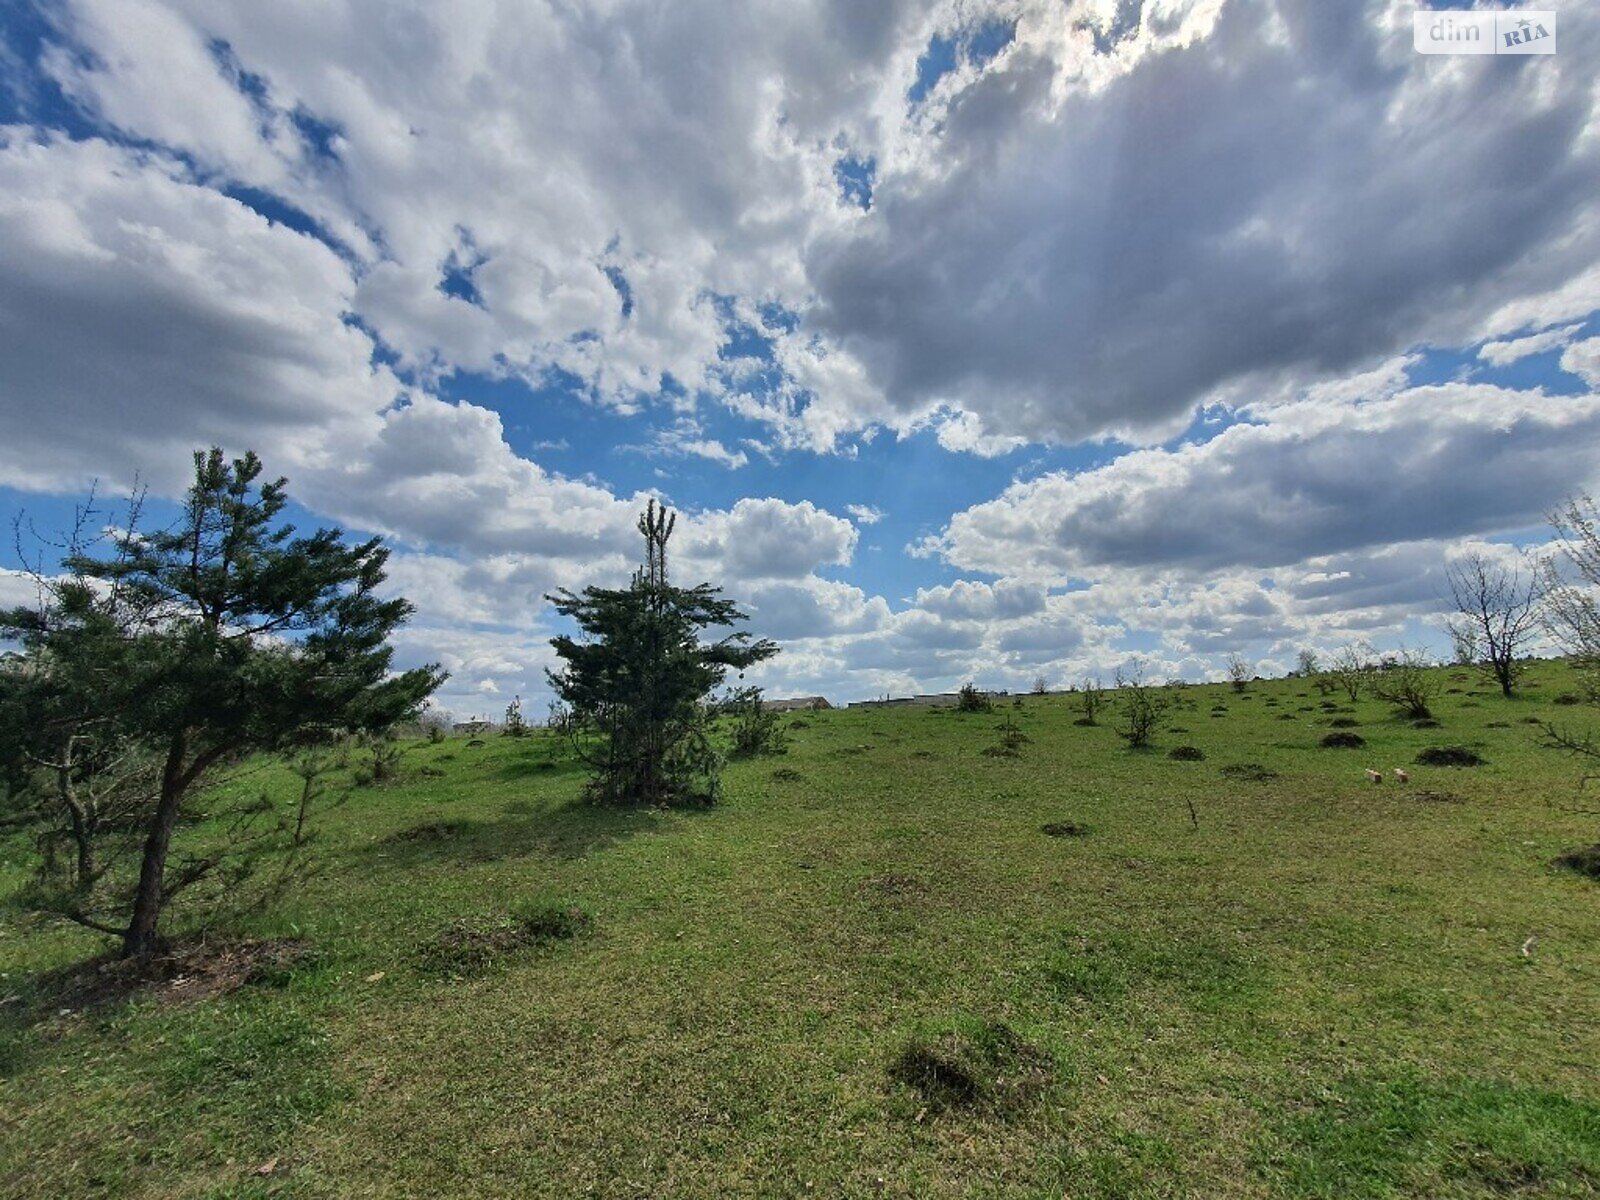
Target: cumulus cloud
(142, 311)
(1126, 211)
(1314, 479)
(1100, 240)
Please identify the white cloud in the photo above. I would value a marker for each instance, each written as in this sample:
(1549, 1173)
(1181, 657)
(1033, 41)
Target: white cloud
(1500, 354)
(143, 312)
(865, 514)
(1314, 479)
(1583, 359)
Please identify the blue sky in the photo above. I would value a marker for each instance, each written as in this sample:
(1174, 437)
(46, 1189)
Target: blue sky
(975, 339)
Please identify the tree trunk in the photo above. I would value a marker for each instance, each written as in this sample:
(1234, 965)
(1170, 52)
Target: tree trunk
(142, 937)
(82, 833)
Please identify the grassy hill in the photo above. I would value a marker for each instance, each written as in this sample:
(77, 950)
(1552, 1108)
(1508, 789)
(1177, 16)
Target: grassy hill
(871, 972)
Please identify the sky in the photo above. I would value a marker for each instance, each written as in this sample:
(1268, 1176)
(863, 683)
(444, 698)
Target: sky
(988, 340)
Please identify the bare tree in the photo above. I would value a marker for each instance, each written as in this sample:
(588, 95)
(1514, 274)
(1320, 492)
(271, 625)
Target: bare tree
(1497, 613)
(1570, 614)
(1307, 664)
(1238, 672)
(1351, 668)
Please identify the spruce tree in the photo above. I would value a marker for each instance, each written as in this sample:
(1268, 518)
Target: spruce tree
(636, 683)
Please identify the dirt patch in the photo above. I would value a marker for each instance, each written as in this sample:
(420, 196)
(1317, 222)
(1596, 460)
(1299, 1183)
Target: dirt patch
(1566, 699)
(1344, 723)
(1343, 740)
(1432, 797)
(433, 831)
(894, 884)
(787, 775)
(1585, 861)
(923, 754)
(468, 947)
(186, 971)
(1084, 721)
(1425, 723)
(1248, 772)
(974, 1065)
(1449, 756)
(1065, 829)
(1187, 754)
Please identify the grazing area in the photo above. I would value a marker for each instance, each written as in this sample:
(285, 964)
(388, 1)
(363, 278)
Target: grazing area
(888, 963)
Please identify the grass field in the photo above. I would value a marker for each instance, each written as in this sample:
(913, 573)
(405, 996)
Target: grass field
(871, 973)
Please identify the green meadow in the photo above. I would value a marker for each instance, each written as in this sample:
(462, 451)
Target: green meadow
(871, 972)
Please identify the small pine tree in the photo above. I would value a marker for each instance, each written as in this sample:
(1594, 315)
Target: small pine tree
(970, 700)
(637, 683)
(515, 725)
(1091, 699)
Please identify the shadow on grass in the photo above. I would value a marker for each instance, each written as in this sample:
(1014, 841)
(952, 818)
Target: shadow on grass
(191, 969)
(564, 830)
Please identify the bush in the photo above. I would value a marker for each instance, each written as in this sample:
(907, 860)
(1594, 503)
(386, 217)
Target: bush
(1187, 753)
(1406, 683)
(1449, 756)
(970, 700)
(1140, 711)
(1567, 699)
(756, 730)
(1065, 829)
(1091, 699)
(1343, 740)
(1344, 723)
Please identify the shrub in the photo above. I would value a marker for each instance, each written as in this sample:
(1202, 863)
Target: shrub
(1567, 699)
(1091, 699)
(1140, 711)
(1449, 756)
(1187, 753)
(970, 700)
(1343, 740)
(1406, 683)
(1065, 829)
(756, 730)
(1344, 723)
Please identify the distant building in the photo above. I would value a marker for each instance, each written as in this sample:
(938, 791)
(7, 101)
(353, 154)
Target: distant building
(928, 700)
(798, 704)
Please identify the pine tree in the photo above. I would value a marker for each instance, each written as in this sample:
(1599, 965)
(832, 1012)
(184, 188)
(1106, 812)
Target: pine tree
(185, 650)
(637, 683)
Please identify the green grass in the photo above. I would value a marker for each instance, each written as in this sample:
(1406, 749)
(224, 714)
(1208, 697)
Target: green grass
(871, 973)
